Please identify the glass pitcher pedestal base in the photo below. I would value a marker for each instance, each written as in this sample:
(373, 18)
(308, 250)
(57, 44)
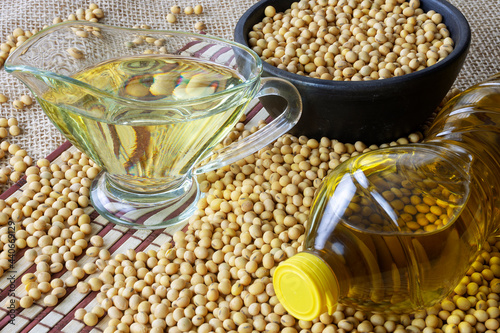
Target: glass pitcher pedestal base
(144, 210)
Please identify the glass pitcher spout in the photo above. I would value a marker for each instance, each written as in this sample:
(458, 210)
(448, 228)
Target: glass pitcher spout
(44, 65)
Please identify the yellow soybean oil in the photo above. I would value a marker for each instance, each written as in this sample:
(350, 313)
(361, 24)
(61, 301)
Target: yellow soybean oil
(396, 233)
(395, 230)
(148, 118)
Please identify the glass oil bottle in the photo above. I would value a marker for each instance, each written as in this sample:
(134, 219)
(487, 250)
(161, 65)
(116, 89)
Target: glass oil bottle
(395, 230)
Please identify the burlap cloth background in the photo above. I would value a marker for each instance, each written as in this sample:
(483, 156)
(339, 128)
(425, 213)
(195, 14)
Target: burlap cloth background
(40, 137)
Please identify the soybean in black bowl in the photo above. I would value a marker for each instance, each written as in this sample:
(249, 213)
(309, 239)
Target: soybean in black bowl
(375, 111)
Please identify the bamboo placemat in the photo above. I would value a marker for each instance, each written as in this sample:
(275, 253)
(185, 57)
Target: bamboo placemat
(117, 239)
(40, 318)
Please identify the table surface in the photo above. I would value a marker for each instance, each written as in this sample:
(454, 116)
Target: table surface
(40, 138)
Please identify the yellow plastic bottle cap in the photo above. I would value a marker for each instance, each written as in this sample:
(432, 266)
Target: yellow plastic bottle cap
(306, 286)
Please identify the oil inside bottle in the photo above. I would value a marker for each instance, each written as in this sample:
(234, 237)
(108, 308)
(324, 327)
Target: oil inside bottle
(395, 226)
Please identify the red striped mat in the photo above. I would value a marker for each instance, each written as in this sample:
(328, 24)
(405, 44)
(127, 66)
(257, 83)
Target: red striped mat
(40, 318)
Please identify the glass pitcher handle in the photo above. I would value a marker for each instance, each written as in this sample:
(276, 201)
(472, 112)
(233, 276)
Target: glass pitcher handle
(264, 136)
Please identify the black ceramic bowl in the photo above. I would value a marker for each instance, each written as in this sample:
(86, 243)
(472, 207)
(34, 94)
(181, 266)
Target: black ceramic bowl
(372, 111)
